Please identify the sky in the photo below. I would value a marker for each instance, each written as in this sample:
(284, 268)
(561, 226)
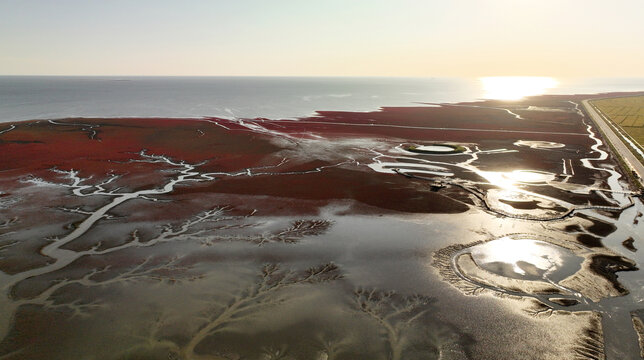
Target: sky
(446, 38)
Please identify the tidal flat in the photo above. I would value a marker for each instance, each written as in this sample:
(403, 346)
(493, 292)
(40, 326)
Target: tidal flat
(322, 237)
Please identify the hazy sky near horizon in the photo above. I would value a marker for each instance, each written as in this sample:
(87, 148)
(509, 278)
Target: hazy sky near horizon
(466, 38)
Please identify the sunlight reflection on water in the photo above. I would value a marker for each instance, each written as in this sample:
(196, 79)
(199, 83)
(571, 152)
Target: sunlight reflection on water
(515, 87)
(525, 258)
(529, 176)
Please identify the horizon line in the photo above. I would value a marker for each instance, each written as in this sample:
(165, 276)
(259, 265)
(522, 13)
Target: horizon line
(326, 76)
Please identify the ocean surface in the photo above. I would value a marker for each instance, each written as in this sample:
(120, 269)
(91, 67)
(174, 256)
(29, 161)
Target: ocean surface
(52, 97)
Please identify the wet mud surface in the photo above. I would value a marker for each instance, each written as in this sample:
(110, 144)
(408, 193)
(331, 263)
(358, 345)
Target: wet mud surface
(321, 237)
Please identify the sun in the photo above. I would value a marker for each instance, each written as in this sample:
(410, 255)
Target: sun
(515, 87)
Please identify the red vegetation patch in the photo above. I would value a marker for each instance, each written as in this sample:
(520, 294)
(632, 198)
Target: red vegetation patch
(100, 147)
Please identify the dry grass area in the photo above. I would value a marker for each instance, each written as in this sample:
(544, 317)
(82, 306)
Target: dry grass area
(628, 112)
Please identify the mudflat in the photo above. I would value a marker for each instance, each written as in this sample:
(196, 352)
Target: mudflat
(323, 237)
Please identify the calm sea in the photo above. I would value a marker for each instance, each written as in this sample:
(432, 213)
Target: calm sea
(38, 97)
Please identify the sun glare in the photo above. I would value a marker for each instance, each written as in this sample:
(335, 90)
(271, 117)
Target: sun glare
(515, 87)
(537, 253)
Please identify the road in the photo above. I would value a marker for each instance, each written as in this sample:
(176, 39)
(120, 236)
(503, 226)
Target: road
(616, 140)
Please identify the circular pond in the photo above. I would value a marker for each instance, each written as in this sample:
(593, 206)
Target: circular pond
(539, 144)
(434, 149)
(525, 259)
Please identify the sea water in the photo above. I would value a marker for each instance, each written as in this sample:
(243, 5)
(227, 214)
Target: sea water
(53, 97)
